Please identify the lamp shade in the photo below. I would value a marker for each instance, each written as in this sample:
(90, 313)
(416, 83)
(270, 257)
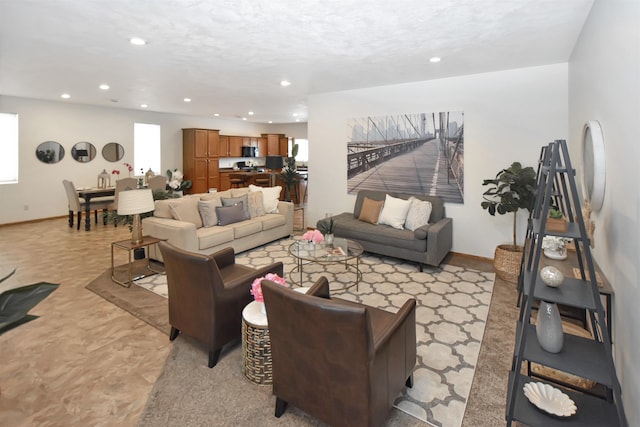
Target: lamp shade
(274, 162)
(135, 202)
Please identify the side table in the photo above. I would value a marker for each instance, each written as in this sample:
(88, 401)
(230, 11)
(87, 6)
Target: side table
(257, 365)
(130, 247)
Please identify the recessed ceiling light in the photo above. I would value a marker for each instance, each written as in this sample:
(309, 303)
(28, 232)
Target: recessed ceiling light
(104, 86)
(297, 120)
(187, 100)
(137, 41)
(143, 105)
(65, 96)
(295, 114)
(216, 114)
(244, 118)
(251, 113)
(270, 121)
(434, 59)
(285, 83)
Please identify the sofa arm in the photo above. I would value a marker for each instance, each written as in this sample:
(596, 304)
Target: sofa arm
(179, 233)
(286, 209)
(439, 240)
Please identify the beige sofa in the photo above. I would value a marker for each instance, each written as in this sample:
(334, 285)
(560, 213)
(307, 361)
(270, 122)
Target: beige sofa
(184, 225)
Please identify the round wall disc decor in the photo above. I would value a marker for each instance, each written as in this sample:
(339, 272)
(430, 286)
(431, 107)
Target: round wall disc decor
(593, 164)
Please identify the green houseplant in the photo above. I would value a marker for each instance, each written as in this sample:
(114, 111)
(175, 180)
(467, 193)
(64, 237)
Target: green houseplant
(512, 189)
(289, 173)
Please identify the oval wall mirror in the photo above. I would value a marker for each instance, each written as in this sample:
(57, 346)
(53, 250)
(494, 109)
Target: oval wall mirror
(83, 152)
(113, 152)
(593, 164)
(50, 152)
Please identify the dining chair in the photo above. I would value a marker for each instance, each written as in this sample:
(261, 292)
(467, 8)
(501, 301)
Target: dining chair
(263, 179)
(157, 182)
(75, 205)
(237, 180)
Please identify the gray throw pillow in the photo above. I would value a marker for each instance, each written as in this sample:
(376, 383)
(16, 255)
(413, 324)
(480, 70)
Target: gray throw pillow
(230, 201)
(207, 210)
(230, 214)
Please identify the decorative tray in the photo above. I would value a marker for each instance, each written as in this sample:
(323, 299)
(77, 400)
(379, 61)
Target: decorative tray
(549, 399)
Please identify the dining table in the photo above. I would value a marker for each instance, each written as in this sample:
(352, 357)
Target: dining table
(91, 193)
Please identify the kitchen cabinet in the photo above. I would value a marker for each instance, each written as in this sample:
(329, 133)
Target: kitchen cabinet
(200, 154)
(277, 144)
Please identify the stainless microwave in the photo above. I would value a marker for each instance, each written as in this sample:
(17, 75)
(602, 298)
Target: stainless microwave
(249, 151)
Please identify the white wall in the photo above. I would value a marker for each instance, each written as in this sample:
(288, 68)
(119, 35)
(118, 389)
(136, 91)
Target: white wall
(604, 85)
(509, 116)
(40, 187)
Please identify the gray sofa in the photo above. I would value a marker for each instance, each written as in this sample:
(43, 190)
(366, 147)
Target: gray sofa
(428, 244)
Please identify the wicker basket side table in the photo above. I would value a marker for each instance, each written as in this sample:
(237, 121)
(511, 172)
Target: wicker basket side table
(256, 345)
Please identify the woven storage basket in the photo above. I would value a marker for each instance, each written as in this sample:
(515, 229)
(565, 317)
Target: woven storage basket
(507, 261)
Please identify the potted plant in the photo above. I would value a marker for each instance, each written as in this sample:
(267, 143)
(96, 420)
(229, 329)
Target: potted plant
(556, 221)
(512, 189)
(289, 173)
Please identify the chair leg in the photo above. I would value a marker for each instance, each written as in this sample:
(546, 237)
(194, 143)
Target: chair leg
(70, 219)
(104, 216)
(95, 215)
(281, 406)
(213, 357)
(79, 219)
(174, 333)
(409, 382)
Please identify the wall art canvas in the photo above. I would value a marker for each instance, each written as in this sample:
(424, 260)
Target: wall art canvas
(420, 153)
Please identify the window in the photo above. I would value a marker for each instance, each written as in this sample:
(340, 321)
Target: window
(303, 149)
(146, 148)
(9, 145)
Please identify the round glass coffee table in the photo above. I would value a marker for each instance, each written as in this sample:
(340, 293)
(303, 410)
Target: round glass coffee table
(340, 251)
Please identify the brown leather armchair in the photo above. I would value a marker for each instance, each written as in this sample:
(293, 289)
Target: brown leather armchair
(341, 362)
(207, 294)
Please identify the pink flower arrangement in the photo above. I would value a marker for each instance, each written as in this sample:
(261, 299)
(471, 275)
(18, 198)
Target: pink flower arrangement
(314, 236)
(129, 167)
(115, 172)
(256, 286)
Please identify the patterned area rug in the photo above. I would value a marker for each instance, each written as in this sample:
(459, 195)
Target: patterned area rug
(452, 308)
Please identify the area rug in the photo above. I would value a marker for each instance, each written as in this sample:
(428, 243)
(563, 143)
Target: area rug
(452, 307)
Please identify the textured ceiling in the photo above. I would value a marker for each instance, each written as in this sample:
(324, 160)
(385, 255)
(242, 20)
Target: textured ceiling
(229, 56)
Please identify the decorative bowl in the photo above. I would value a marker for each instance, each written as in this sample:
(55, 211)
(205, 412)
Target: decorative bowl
(549, 399)
(551, 276)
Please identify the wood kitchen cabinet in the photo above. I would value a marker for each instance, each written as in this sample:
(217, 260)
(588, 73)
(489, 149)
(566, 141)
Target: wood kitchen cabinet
(200, 153)
(230, 146)
(277, 144)
(262, 147)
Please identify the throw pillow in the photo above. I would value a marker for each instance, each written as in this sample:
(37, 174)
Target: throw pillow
(208, 213)
(230, 214)
(186, 210)
(394, 212)
(270, 197)
(235, 200)
(418, 214)
(370, 210)
(256, 206)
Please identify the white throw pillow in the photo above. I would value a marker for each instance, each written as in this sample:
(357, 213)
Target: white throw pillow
(418, 214)
(270, 197)
(394, 212)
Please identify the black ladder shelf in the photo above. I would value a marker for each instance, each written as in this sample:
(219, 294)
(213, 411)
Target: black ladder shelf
(587, 358)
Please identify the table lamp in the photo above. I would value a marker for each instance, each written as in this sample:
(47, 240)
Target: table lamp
(135, 202)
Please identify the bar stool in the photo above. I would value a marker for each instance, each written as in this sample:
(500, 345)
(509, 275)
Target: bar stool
(263, 179)
(237, 180)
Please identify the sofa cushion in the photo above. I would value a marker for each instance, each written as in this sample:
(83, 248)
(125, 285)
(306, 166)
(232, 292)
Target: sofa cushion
(162, 209)
(270, 197)
(186, 209)
(270, 221)
(246, 228)
(256, 205)
(370, 210)
(208, 213)
(209, 237)
(418, 214)
(237, 200)
(237, 192)
(351, 228)
(216, 195)
(230, 214)
(394, 212)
